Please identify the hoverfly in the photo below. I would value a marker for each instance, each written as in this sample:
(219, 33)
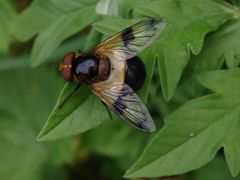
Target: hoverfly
(113, 71)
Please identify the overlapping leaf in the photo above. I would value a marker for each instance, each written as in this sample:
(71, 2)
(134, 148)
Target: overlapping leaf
(69, 24)
(74, 117)
(219, 47)
(126, 7)
(107, 7)
(25, 101)
(81, 112)
(197, 24)
(41, 14)
(99, 142)
(7, 14)
(216, 169)
(192, 135)
(188, 23)
(195, 132)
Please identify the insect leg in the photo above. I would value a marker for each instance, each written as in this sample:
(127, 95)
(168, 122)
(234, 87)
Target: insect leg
(67, 98)
(109, 112)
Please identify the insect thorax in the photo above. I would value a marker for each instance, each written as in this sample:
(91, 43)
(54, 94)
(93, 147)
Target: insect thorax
(85, 67)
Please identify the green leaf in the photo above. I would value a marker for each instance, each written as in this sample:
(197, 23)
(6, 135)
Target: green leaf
(230, 142)
(107, 7)
(216, 169)
(110, 26)
(197, 130)
(218, 47)
(25, 108)
(126, 7)
(232, 59)
(93, 39)
(10, 63)
(13, 63)
(67, 25)
(231, 52)
(234, 2)
(97, 140)
(81, 112)
(41, 14)
(215, 82)
(7, 14)
(188, 23)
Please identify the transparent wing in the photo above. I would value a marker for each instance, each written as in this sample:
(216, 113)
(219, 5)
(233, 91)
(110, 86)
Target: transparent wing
(124, 102)
(132, 40)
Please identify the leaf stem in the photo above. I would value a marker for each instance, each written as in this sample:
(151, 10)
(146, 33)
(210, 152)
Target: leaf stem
(234, 10)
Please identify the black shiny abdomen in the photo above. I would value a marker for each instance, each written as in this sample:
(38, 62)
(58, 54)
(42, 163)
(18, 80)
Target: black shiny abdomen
(135, 73)
(85, 66)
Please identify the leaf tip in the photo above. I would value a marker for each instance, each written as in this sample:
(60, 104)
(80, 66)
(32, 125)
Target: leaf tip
(234, 173)
(40, 137)
(128, 174)
(43, 135)
(132, 172)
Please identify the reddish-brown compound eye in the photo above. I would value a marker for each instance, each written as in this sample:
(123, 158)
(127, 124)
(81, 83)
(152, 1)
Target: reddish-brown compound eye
(66, 67)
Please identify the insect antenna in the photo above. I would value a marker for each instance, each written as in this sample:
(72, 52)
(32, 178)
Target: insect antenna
(68, 97)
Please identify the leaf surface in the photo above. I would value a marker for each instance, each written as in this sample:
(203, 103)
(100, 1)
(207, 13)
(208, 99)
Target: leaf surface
(7, 14)
(196, 131)
(188, 23)
(41, 14)
(23, 110)
(50, 38)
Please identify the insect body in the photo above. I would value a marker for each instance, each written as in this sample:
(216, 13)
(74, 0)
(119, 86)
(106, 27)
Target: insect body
(113, 71)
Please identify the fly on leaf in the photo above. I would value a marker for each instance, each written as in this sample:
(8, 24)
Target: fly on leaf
(113, 71)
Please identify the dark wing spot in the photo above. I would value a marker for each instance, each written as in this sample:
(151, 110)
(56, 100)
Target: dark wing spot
(153, 21)
(127, 35)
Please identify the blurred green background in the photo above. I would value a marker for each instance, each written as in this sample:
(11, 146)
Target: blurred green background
(29, 90)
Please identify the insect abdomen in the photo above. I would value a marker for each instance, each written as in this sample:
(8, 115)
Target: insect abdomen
(135, 73)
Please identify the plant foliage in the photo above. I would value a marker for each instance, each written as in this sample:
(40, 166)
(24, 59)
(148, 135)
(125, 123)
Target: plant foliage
(192, 89)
